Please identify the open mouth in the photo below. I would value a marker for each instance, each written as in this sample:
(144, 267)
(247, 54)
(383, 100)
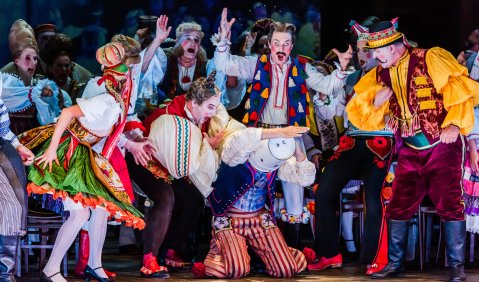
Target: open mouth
(62, 80)
(190, 50)
(362, 62)
(280, 57)
(31, 70)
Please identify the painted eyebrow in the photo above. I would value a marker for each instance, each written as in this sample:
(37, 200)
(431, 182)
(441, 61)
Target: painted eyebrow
(287, 40)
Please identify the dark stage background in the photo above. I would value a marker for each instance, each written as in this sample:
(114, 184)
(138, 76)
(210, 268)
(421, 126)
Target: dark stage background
(91, 23)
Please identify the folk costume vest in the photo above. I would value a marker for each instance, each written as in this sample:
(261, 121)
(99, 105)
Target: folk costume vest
(171, 84)
(233, 182)
(423, 101)
(297, 97)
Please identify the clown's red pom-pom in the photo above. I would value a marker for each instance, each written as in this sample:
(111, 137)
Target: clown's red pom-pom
(310, 255)
(198, 270)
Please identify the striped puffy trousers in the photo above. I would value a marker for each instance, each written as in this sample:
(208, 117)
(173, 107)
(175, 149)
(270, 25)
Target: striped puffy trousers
(10, 208)
(228, 256)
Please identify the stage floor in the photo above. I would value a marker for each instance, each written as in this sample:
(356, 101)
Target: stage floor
(127, 269)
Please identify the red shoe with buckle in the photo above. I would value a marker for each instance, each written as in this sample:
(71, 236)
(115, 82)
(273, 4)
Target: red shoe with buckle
(323, 263)
(84, 254)
(375, 267)
(151, 269)
(172, 259)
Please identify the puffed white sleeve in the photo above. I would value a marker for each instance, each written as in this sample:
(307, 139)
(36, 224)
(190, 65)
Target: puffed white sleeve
(153, 76)
(239, 145)
(302, 173)
(100, 112)
(328, 84)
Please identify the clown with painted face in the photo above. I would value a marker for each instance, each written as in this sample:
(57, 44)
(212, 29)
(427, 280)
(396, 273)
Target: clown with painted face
(189, 118)
(170, 72)
(371, 154)
(429, 101)
(278, 91)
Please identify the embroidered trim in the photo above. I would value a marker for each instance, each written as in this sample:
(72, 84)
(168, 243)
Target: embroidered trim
(299, 218)
(380, 146)
(318, 102)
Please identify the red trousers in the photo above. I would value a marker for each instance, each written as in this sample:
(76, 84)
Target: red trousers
(436, 172)
(228, 256)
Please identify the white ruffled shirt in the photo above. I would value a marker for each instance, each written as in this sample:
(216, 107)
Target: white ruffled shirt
(100, 111)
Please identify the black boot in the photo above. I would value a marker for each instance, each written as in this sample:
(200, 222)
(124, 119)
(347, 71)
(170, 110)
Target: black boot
(8, 255)
(455, 239)
(397, 250)
(292, 235)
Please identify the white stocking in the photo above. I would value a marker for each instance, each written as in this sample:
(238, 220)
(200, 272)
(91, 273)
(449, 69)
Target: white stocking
(98, 219)
(66, 236)
(347, 230)
(293, 197)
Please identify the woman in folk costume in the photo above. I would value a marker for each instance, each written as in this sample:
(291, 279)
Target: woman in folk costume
(13, 200)
(30, 101)
(69, 167)
(131, 140)
(183, 154)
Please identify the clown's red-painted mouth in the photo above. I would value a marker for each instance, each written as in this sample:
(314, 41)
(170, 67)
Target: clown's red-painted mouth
(281, 56)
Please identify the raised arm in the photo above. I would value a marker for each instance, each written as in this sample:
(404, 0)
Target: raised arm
(334, 81)
(226, 63)
(162, 32)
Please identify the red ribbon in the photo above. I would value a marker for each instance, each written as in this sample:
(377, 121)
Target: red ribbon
(133, 125)
(108, 77)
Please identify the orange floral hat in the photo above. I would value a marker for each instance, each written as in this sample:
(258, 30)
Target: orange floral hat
(110, 56)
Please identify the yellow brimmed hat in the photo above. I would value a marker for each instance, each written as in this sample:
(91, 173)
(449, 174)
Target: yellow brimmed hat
(385, 33)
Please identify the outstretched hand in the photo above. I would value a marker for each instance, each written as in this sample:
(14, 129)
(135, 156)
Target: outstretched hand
(142, 150)
(225, 25)
(162, 31)
(344, 58)
(47, 158)
(292, 131)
